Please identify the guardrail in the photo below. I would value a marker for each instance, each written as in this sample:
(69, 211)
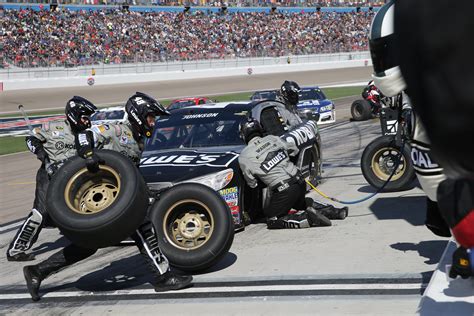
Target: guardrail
(173, 66)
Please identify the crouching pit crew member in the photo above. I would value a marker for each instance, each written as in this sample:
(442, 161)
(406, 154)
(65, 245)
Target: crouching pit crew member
(266, 158)
(52, 144)
(127, 139)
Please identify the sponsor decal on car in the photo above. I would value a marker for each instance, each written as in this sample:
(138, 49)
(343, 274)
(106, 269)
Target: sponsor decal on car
(212, 160)
(199, 116)
(231, 197)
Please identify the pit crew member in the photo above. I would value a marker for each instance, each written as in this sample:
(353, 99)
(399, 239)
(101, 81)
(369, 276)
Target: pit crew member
(452, 191)
(129, 140)
(52, 144)
(267, 159)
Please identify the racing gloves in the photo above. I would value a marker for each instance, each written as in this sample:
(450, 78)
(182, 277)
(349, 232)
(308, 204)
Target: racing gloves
(85, 149)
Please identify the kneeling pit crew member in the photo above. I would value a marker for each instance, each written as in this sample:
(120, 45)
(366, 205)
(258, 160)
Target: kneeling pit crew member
(266, 158)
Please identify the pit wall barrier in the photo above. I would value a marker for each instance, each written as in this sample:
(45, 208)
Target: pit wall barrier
(99, 80)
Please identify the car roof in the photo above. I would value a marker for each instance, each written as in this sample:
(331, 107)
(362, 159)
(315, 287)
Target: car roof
(112, 108)
(188, 99)
(238, 105)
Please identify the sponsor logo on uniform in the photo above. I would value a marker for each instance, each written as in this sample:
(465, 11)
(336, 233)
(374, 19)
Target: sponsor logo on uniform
(272, 160)
(302, 134)
(59, 145)
(423, 161)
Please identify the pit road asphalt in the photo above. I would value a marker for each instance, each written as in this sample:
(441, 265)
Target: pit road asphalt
(377, 261)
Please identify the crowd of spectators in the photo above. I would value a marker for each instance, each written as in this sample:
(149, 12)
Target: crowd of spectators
(70, 38)
(215, 3)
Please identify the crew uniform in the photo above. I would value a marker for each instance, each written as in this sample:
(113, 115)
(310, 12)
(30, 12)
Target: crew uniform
(128, 140)
(52, 144)
(268, 159)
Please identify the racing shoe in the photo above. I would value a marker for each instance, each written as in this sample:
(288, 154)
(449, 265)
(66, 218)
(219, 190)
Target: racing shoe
(170, 281)
(295, 220)
(316, 218)
(33, 281)
(22, 256)
(330, 211)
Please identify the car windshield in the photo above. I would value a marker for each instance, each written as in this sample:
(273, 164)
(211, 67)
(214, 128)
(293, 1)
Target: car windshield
(203, 127)
(108, 115)
(311, 94)
(180, 104)
(264, 95)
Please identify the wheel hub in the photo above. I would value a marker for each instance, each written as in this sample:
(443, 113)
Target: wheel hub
(191, 226)
(384, 161)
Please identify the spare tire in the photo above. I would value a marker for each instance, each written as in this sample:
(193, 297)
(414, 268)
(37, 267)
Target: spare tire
(361, 110)
(100, 209)
(378, 162)
(194, 226)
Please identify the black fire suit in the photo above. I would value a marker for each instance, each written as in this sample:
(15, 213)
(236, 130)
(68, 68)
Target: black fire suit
(118, 137)
(52, 144)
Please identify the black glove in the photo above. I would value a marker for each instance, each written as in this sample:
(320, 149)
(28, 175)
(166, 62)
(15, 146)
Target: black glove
(51, 168)
(93, 161)
(461, 264)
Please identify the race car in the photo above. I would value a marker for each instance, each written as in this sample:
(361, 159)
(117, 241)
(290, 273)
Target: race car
(185, 102)
(312, 100)
(202, 144)
(114, 114)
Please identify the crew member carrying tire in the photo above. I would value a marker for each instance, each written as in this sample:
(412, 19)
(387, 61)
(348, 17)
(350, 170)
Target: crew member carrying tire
(268, 159)
(52, 144)
(127, 139)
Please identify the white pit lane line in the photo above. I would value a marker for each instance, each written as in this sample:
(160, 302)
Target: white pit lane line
(230, 289)
(10, 226)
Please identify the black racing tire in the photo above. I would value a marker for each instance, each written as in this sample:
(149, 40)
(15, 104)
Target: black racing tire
(377, 163)
(194, 226)
(95, 210)
(361, 110)
(315, 167)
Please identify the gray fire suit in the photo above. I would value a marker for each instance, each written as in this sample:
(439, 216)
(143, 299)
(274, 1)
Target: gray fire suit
(289, 114)
(117, 137)
(53, 144)
(267, 159)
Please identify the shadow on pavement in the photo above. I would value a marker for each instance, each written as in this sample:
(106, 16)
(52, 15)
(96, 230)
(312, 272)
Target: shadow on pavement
(49, 246)
(228, 260)
(431, 250)
(410, 208)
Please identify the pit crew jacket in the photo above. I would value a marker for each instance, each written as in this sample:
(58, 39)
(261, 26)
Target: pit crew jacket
(55, 138)
(267, 158)
(119, 138)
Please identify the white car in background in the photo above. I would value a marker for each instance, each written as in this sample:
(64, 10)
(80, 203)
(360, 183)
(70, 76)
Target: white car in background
(114, 114)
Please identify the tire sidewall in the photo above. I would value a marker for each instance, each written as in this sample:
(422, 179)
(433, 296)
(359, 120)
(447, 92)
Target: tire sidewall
(223, 227)
(110, 225)
(404, 182)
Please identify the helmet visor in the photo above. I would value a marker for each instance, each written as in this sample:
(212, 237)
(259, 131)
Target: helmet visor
(384, 53)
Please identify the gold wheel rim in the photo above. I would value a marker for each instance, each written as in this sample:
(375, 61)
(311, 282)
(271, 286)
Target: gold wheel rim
(191, 229)
(384, 161)
(91, 193)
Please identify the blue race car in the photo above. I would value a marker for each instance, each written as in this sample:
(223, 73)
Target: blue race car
(313, 100)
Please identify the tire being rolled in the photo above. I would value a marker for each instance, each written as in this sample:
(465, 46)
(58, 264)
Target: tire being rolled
(361, 110)
(194, 226)
(95, 210)
(379, 156)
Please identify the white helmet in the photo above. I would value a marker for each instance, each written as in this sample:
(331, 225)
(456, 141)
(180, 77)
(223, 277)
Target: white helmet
(387, 75)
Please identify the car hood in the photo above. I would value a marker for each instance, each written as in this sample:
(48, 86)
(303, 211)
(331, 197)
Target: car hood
(178, 165)
(313, 103)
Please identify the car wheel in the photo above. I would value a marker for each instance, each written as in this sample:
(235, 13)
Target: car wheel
(378, 162)
(361, 110)
(315, 167)
(194, 226)
(99, 209)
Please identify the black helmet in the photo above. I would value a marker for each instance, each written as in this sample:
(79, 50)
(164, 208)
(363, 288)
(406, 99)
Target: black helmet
(383, 51)
(138, 107)
(249, 129)
(290, 92)
(76, 108)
